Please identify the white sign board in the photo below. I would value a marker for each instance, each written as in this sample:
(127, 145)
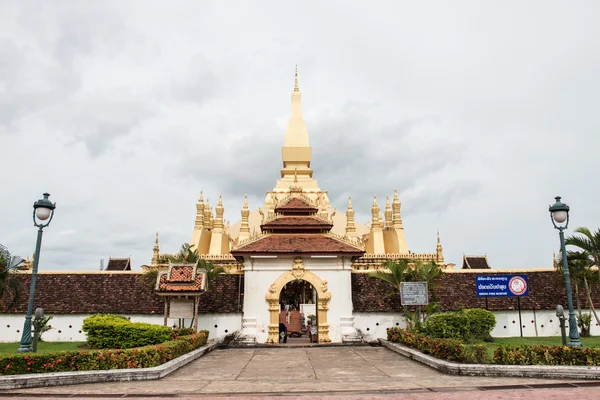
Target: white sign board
(181, 309)
(414, 293)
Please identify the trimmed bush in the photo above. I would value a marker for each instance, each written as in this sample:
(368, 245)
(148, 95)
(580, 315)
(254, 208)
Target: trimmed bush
(546, 355)
(108, 331)
(141, 357)
(473, 323)
(445, 349)
(481, 322)
(448, 326)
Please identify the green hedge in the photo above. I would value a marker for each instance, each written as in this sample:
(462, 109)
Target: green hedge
(448, 326)
(481, 322)
(445, 348)
(141, 357)
(546, 355)
(108, 331)
(473, 323)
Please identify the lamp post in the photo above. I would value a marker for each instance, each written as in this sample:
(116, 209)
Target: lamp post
(43, 210)
(559, 214)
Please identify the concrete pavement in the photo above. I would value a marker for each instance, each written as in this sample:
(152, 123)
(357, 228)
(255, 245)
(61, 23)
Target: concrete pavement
(317, 371)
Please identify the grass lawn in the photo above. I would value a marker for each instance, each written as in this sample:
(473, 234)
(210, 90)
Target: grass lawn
(43, 347)
(593, 341)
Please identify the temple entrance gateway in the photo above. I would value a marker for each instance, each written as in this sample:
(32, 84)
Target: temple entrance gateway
(298, 279)
(298, 311)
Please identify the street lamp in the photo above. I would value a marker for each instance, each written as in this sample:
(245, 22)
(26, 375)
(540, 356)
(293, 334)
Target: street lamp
(43, 210)
(559, 213)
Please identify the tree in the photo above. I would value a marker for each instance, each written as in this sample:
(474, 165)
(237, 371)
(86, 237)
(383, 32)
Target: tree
(581, 275)
(188, 256)
(9, 285)
(589, 243)
(588, 257)
(405, 270)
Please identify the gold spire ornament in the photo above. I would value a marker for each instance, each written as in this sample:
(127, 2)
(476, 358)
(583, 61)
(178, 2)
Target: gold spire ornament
(207, 214)
(388, 213)
(155, 251)
(199, 212)
(375, 214)
(296, 88)
(350, 223)
(245, 225)
(439, 254)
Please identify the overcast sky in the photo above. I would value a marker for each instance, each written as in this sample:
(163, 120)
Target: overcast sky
(478, 112)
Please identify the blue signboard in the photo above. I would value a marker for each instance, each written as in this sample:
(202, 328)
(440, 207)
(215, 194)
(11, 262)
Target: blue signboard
(502, 285)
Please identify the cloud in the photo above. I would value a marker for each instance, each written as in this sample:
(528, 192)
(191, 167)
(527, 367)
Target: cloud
(125, 112)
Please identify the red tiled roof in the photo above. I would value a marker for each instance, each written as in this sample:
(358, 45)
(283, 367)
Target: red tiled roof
(115, 293)
(296, 204)
(181, 273)
(297, 221)
(307, 243)
(165, 285)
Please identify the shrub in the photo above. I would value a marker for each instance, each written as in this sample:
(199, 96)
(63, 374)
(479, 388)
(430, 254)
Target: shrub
(141, 357)
(117, 332)
(177, 332)
(546, 355)
(445, 349)
(449, 325)
(475, 354)
(481, 322)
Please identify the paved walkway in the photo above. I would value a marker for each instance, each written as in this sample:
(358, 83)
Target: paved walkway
(366, 372)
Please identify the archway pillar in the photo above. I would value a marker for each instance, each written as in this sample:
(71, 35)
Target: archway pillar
(323, 296)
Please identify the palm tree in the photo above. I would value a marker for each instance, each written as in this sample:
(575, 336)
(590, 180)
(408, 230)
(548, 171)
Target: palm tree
(588, 257)
(405, 270)
(185, 255)
(580, 276)
(188, 256)
(9, 286)
(589, 243)
(396, 273)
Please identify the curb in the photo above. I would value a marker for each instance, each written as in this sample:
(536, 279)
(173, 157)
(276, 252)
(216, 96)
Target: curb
(524, 371)
(111, 375)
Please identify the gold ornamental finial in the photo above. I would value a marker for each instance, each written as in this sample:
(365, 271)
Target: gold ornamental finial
(296, 89)
(388, 213)
(201, 199)
(220, 203)
(350, 224)
(156, 241)
(245, 201)
(295, 175)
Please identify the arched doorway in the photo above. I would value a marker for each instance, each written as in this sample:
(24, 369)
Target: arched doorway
(298, 273)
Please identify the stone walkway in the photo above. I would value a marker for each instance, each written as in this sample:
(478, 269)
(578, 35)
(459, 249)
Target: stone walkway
(364, 371)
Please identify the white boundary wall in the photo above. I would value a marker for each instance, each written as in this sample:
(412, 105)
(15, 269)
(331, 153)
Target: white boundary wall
(507, 323)
(67, 328)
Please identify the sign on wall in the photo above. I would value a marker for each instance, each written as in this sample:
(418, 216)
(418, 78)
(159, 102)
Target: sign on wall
(414, 293)
(181, 309)
(502, 285)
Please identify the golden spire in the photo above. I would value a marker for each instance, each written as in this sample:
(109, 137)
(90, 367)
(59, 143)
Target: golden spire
(219, 210)
(439, 250)
(397, 219)
(388, 213)
(155, 251)
(375, 215)
(350, 224)
(295, 175)
(207, 215)
(296, 88)
(245, 226)
(199, 212)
